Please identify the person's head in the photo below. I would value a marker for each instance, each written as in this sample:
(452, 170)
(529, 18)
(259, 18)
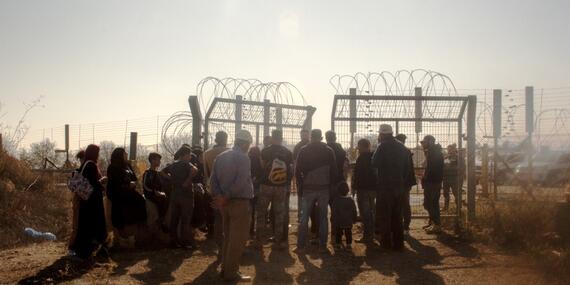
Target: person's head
(330, 136)
(363, 146)
(154, 159)
(221, 138)
(266, 141)
(305, 134)
(343, 189)
(243, 140)
(198, 152)
(385, 132)
(316, 135)
(428, 141)
(401, 138)
(277, 137)
(452, 149)
(119, 157)
(91, 153)
(80, 156)
(254, 152)
(184, 153)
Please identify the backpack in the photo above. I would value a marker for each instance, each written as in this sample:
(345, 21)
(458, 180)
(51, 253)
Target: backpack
(79, 185)
(277, 172)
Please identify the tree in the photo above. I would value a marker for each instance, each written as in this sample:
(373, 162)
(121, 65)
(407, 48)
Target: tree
(105, 150)
(12, 136)
(40, 152)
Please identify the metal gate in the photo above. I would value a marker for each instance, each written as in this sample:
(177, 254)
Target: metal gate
(359, 116)
(230, 115)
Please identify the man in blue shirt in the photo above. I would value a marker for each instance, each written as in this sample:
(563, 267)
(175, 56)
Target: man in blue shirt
(232, 190)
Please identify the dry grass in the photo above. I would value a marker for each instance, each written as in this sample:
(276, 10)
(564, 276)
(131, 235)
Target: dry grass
(42, 206)
(535, 228)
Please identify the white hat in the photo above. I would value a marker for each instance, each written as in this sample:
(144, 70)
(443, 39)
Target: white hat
(385, 129)
(244, 135)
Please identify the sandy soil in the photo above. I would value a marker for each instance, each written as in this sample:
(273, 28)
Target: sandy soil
(426, 260)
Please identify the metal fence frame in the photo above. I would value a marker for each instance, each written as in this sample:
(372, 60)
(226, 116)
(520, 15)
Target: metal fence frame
(263, 126)
(468, 109)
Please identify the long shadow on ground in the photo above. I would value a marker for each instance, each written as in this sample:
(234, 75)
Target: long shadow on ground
(63, 269)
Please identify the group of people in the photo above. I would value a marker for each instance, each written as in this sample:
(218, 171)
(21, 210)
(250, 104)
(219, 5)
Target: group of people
(248, 191)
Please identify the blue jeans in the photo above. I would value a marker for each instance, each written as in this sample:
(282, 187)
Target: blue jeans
(309, 198)
(367, 206)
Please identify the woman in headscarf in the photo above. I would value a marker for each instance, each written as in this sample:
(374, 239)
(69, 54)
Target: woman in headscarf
(128, 205)
(91, 229)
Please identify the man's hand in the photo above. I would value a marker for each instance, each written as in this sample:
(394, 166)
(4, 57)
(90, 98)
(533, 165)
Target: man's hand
(219, 202)
(104, 180)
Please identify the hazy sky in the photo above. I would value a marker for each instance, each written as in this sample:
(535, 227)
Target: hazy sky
(113, 60)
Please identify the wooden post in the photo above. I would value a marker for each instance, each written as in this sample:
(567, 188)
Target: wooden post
(1, 145)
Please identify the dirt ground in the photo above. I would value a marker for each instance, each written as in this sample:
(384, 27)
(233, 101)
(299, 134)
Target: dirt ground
(426, 260)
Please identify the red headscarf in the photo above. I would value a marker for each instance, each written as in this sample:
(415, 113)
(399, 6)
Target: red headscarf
(92, 154)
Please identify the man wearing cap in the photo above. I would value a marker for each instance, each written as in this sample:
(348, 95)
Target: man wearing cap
(232, 190)
(391, 160)
(315, 172)
(431, 182)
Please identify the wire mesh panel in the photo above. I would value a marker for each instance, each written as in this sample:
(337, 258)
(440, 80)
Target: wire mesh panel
(359, 116)
(259, 118)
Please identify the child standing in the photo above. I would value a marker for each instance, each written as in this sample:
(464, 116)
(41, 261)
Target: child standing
(343, 216)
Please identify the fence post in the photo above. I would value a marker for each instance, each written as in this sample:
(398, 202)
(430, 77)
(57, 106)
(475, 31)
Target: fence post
(133, 147)
(529, 103)
(196, 120)
(352, 115)
(485, 170)
(239, 108)
(497, 129)
(309, 120)
(266, 110)
(66, 143)
(1, 145)
(418, 109)
(471, 179)
(279, 118)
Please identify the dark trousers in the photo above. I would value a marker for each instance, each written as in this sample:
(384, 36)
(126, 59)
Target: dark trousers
(453, 186)
(391, 229)
(347, 232)
(407, 210)
(314, 216)
(286, 219)
(432, 192)
(252, 224)
(181, 207)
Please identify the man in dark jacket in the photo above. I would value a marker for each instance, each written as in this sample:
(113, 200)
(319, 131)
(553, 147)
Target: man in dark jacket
(364, 183)
(406, 209)
(315, 171)
(392, 160)
(431, 182)
(340, 155)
